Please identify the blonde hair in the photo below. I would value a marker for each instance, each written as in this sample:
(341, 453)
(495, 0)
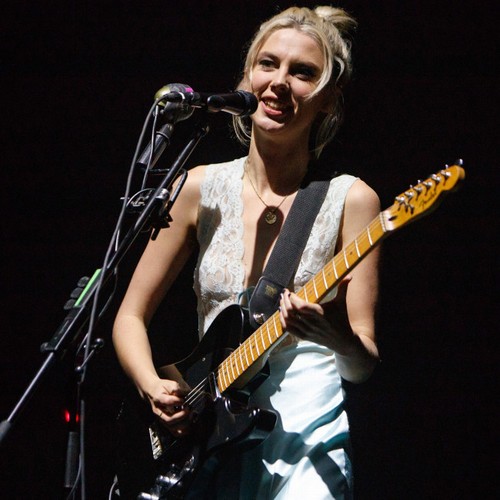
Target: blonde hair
(329, 27)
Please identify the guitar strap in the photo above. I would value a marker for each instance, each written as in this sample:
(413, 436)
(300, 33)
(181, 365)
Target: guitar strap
(285, 257)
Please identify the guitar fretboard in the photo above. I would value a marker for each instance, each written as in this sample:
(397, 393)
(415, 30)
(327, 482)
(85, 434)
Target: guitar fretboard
(257, 344)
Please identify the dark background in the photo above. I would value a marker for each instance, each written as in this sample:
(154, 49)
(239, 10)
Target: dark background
(77, 81)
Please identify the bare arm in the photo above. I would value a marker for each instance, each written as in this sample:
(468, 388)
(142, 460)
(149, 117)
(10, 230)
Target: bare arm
(346, 324)
(158, 267)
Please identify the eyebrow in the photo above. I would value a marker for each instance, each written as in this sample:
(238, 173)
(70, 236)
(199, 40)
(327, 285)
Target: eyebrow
(271, 55)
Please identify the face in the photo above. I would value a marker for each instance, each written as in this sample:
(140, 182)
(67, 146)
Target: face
(285, 72)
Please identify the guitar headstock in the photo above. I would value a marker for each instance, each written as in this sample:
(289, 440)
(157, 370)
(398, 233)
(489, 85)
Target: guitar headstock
(422, 198)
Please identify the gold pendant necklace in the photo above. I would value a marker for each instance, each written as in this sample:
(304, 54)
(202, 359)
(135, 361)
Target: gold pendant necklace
(270, 216)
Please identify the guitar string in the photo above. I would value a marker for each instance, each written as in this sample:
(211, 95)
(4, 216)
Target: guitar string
(369, 235)
(198, 392)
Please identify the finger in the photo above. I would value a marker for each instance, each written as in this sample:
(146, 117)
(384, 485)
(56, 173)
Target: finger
(168, 400)
(172, 416)
(292, 303)
(302, 309)
(342, 288)
(177, 423)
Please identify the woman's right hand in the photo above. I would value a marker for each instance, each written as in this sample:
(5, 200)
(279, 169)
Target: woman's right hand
(166, 398)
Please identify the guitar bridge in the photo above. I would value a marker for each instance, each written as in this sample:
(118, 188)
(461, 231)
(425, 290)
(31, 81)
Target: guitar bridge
(156, 443)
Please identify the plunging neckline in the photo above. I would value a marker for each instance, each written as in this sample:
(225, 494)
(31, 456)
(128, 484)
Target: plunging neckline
(244, 273)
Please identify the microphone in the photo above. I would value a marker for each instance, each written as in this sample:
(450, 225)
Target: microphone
(172, 113)
(239, 103)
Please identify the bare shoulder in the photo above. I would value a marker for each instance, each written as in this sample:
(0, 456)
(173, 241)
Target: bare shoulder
(185, 209)
(362, 197)
(190, 193)
(362, 205)
(197, 173)
(195, 178)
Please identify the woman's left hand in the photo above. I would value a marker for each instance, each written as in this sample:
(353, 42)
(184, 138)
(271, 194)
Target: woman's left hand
(326, 324)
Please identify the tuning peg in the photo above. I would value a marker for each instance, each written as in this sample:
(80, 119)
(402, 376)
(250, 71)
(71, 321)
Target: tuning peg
(459, 162)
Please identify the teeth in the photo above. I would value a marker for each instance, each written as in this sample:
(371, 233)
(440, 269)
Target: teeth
(275, 105)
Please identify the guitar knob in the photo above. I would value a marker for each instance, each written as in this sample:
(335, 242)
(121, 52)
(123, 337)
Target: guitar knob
(82, 282)
(69, 304)
(76, 293)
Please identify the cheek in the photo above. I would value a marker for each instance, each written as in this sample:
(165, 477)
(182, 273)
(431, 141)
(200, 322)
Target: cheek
(302, 89)
(259, 81)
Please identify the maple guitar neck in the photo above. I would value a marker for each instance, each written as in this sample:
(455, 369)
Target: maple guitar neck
(408, 206)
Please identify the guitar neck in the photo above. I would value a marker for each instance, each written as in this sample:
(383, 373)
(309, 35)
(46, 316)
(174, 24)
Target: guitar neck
(408, 206)
(267, 335)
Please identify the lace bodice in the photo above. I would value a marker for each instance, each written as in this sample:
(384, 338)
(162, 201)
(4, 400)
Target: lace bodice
(220, 274)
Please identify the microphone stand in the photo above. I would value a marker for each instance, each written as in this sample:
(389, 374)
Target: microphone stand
(154, 215)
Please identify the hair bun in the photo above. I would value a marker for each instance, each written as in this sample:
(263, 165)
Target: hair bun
(338, 17)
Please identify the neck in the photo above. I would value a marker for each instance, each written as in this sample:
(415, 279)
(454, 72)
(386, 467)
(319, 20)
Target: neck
(276, 168)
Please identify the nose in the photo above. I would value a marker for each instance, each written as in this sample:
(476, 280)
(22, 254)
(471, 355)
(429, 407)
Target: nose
(280, 82)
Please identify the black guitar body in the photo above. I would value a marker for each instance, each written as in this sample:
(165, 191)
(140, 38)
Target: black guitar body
(219, 421)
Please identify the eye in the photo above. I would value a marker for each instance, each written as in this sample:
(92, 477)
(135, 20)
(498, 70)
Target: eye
(305, 72)
(266, 63)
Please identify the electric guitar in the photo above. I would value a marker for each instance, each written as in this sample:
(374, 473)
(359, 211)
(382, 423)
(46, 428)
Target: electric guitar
(229, 355)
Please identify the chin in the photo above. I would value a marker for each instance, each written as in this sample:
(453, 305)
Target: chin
(270, 125)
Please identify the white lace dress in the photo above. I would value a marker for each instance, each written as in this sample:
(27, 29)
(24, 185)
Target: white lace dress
(305, 456)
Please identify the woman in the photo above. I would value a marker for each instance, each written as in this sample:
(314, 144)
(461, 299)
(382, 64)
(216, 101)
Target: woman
(296, 66)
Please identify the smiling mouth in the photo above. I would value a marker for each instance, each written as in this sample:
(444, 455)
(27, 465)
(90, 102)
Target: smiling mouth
(276, 105)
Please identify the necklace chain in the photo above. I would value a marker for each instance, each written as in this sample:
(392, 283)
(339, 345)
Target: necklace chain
(270, 216)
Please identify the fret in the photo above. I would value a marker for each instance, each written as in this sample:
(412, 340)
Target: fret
(335, 269)
(224, 374)
(265, 338)
(324, 278)
(257, 333)
(351, 254)
(357, 247)
(345, 259)
(239, 367)
(272, 324)
(331, 279)
(369, 235)
(305, 294)
(251, 348)
(382, 222)
(231, 365)
(243, 367)
(316, 294)
(272, 327)
(226, 377)
(243, 348)
(269, 334)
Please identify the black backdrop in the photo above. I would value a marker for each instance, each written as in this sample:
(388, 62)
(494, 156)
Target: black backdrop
(78, 79)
